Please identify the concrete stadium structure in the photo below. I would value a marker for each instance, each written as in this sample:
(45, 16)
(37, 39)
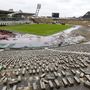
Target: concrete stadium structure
(87, 16)
(12, 17)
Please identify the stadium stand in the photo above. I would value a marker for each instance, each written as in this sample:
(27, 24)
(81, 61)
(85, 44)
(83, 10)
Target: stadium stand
(42, 20)
(10, 18)
(87, 16)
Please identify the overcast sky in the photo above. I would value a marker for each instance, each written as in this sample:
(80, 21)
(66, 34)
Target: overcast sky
(66, 8)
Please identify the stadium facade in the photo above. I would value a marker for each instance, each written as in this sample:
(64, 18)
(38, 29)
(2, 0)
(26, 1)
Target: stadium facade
(11, 17)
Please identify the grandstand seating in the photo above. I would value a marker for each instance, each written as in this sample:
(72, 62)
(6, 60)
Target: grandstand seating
(41, 20)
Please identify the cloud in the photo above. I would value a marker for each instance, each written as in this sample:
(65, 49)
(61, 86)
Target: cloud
(66, 8)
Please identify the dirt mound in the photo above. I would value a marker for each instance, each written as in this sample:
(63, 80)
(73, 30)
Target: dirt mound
(4, 34)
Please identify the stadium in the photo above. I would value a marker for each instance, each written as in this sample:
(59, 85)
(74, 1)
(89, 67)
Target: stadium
(44, 53)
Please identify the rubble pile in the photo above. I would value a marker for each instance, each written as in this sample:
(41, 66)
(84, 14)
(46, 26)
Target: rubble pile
(4, 34)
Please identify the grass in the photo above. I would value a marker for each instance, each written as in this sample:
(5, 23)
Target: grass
(37, 29)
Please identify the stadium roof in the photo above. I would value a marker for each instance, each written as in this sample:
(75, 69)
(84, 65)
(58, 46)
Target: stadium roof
(15, 13)
(26, 14)
(5, 12)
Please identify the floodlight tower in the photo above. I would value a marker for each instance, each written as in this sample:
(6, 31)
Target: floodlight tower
(38, 9)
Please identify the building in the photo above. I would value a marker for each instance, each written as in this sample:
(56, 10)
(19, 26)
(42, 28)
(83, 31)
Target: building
(4, 15)
(13, 17)
(22, 16)
(86, 16)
